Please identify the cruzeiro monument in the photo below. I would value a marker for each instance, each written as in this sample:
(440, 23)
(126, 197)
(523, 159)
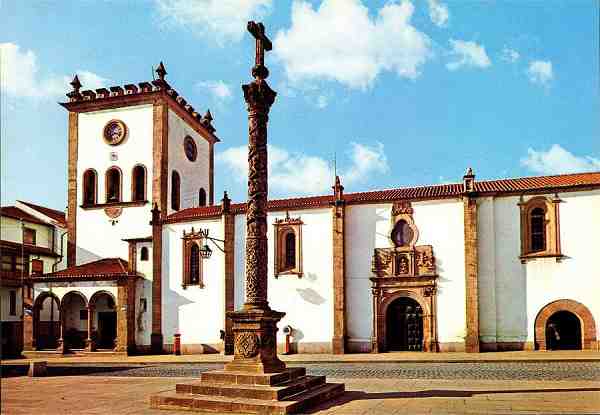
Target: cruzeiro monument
(256, 381)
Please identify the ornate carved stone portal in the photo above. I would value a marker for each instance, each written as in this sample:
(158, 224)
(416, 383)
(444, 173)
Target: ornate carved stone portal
(256, 381)
(404, 270)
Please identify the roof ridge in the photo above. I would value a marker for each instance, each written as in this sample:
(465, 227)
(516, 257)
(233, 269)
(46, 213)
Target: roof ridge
(537, 177)
(34, 205)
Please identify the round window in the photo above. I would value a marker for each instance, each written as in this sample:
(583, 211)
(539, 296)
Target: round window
(191, 152)
(114, 132)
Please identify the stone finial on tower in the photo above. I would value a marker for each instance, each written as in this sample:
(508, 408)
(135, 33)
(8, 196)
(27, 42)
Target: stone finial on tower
(226, 203)
(338, 189)
(74, 94)
(207, 121)
(469, 181)
(161, 71)
(155, 215)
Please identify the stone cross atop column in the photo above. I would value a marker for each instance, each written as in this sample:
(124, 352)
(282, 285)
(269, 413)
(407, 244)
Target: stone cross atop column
(259, 98)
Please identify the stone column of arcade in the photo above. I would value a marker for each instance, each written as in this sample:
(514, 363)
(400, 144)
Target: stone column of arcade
(255, 381)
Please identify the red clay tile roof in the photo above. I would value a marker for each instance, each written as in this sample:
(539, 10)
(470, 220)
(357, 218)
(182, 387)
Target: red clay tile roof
(57, 215)
(16, 213)
(102, 269)
(29, 249)
(440, 191)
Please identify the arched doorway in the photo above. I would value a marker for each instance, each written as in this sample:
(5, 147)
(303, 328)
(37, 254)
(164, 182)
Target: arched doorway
(404, 325)
(75, 315)
(565, 324)
(104, 320)
(47, 322)
(563, 331)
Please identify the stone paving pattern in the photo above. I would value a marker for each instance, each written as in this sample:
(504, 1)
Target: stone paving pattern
(102, 357)
(89, 395)
(543, 371)
(389, 383)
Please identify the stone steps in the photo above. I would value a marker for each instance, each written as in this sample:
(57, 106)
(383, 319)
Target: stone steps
(277, 392)
(245, 378)
(174, 400)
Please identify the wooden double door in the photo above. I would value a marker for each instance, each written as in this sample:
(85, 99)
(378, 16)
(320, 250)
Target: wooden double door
(404, 325)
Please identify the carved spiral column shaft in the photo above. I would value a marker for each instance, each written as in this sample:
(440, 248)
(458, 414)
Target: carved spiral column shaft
(259, 97)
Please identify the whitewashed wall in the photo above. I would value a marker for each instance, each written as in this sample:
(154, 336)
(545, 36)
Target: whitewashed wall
(577, 276)
(512, 293)
(307, 301)
(143, 290)
(194, 175)
(440, 224)
(96, 236)
(198, 314)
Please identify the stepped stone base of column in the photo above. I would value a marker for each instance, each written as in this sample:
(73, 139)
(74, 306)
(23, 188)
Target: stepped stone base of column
(288, 391)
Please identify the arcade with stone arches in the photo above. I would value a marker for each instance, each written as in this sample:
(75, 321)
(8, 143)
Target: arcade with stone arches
(69, 318)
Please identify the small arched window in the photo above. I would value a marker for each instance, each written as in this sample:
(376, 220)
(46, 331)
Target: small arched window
(144, 253)
(538, 229)
(138, 183)
(202, 197)
(288, 246)
(90, 186)
(175, 190)
(290, 250)
(194, 264)
(113, 185)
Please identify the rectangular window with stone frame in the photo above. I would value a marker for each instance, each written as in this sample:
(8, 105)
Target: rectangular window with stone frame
(288, 246)
(192, 260)
(540, 228)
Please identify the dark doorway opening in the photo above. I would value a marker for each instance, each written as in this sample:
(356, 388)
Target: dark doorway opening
(107, 329)
(563, 331)
(404, 325)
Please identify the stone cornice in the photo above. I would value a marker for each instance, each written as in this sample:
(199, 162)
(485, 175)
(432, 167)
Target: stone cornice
(91, 101)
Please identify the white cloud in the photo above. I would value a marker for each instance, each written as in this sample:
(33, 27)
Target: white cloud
(438, 13)
(469, 54)
(509, 55)
(221, 20)
(365, 161)
(299, 173)
(21, 78)
(218, 89)
(557, 160)
(340, 42)
(540, 72)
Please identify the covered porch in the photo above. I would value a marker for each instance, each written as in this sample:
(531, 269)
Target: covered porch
(89, 307)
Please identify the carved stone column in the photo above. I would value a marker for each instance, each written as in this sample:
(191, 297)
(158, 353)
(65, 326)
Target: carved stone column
(255, 326)
(90, 346)
(61, 347)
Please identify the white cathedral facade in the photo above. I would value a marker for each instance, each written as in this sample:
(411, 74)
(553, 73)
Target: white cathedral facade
(474, 266)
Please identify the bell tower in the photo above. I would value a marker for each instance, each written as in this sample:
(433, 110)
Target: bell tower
(130, 148)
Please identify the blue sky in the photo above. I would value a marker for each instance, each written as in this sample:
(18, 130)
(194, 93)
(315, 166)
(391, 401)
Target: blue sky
(404, 93)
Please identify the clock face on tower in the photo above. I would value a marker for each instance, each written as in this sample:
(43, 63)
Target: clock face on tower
(114, 132)
(191, 152)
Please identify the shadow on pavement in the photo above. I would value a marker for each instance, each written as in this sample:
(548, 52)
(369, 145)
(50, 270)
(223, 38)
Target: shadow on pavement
(349, 396)
(21, 370)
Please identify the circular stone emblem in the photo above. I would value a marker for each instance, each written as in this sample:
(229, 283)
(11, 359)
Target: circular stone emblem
(246, 344)
(191, 152)
(114, 132)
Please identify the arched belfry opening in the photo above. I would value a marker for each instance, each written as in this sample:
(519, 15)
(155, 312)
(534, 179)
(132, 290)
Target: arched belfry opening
(404, 325)
(563, 331)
